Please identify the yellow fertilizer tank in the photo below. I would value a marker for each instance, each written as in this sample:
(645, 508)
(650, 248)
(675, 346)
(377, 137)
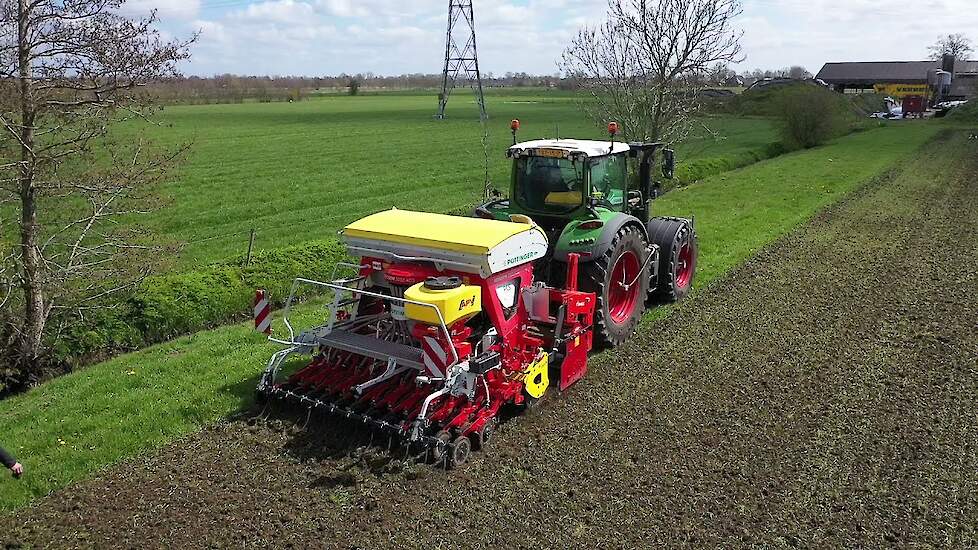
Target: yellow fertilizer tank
(470, 245)
(454, 300)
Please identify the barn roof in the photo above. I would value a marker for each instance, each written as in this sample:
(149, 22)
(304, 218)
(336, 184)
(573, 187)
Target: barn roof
(871, 72)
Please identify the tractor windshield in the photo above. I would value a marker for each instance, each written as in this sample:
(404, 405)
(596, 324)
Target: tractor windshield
(549, 185)
(608, 180)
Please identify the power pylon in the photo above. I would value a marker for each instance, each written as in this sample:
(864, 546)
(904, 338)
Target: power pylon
(461, 64)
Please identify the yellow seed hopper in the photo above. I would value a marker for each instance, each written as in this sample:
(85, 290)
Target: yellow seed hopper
(471, 245)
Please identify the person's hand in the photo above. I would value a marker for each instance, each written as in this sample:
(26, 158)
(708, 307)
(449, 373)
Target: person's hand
(17, 469)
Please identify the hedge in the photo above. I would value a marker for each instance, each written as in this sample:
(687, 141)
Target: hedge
(169, 305)
(693, 171)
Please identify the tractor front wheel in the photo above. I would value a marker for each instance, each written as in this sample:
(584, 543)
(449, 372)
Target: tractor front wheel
(619, 278)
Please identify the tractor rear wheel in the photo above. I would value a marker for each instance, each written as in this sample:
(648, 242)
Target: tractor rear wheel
(678, 252)
(619, 278)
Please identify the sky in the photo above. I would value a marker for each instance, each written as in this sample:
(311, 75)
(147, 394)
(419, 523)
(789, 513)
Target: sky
(390, 37)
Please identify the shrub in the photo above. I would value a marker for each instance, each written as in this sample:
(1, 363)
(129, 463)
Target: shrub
(965, 113)
(811, 116)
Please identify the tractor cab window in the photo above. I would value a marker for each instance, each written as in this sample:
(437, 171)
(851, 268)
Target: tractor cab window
(608, 180)
(549, 185)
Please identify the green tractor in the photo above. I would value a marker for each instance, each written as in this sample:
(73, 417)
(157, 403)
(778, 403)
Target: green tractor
(593, 198)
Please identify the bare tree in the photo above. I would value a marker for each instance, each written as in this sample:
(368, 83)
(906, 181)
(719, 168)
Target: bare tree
(955, 44)
(71, 70)
(643, 65)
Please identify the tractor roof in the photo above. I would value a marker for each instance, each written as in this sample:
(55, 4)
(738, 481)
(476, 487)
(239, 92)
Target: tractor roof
(586, 147)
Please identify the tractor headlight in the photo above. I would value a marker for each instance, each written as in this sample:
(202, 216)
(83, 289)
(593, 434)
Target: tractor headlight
(507, 294)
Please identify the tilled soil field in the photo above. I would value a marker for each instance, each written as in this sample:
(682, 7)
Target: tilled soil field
(822, 394)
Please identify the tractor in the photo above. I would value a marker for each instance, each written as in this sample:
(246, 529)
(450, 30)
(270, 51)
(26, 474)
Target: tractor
(445, 322)
(593, 199)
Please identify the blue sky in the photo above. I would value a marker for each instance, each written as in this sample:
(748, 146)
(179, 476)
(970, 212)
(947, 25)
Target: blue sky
(309, 37)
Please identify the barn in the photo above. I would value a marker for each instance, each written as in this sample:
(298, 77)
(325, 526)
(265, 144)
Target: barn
(901, 78)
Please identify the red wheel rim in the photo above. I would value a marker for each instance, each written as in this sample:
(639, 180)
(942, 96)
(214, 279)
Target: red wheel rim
(684, 268)
(623, 294)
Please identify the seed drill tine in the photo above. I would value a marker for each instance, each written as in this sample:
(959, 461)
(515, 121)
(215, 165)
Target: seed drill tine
(391, 371)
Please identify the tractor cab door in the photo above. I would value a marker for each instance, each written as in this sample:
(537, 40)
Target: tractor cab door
(609, 181)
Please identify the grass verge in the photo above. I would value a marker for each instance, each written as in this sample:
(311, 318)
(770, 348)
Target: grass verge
(77, 424)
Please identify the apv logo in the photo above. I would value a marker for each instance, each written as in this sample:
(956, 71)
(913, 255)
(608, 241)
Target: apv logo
(466, 303)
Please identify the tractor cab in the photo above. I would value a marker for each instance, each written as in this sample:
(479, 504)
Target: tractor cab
(557, 181)
(560, 177)
(593, 199)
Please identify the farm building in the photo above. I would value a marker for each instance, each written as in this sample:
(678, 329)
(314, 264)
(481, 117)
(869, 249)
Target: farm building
(900, 78)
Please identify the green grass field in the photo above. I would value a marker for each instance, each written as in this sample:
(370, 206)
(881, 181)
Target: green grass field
(75, 425)
(301, 171)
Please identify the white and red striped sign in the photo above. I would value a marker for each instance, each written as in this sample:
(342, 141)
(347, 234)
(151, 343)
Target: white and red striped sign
(435, 358)
(263, 317)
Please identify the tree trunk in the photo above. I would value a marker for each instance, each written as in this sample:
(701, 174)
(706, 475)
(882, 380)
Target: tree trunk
(32, 285)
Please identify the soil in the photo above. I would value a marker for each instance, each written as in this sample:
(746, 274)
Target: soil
(821, 394)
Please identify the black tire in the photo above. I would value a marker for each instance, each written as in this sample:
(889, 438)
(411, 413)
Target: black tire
(672, 235)
(459, 451)
(482, 438)
(596, 278)
(440, 450)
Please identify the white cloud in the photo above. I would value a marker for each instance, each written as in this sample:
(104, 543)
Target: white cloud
(344, 8)
(166, 10)
(394, 36)
(813, 32)
(284, 12)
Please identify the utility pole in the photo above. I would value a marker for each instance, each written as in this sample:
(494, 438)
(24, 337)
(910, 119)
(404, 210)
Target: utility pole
(461, 64)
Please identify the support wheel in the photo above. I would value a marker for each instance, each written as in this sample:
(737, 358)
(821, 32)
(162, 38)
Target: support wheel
(482, 437)
(439, 451)
(459, 451)
(678, 252)
(619, 278)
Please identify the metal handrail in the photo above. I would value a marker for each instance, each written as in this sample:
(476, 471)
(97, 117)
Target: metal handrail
(357, 267)
(340, 288)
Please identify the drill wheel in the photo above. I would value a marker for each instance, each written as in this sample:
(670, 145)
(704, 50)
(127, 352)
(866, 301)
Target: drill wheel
(441, 450)
(459, 451)
(482, 437)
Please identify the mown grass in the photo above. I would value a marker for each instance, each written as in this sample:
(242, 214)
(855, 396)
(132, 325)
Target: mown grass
(301, 171)
(77, 424)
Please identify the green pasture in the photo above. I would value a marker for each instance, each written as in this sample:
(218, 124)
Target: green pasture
(297, 172)
(325, 163)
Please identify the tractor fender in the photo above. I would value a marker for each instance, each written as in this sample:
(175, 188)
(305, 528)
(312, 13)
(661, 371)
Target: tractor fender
(598, 242)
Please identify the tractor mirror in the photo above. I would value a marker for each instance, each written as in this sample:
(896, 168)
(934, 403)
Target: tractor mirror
(668, 163)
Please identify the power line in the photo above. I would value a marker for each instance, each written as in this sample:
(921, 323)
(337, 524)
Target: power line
(461, 62)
